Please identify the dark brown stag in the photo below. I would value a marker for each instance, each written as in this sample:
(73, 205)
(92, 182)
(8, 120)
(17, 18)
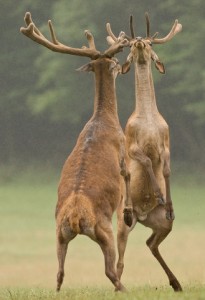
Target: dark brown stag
(90, 187)
(148, 148)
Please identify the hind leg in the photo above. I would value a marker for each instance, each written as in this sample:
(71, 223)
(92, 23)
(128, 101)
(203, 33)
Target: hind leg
(105, 238)
(62, 245)
(161, 228)
(122, 237)
(153, 243)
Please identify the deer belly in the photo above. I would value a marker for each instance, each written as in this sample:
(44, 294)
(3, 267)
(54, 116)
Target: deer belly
(142, 194)
(153, 152)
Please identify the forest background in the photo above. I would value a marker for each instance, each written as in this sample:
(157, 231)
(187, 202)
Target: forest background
(44, 102)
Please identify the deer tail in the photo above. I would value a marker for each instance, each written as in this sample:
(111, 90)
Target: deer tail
(74, 221)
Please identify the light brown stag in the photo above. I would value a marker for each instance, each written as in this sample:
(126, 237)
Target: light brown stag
(147, 143)
(90, 187)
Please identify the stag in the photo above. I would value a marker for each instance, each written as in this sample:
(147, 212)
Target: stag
(148, 148)
(91, 185)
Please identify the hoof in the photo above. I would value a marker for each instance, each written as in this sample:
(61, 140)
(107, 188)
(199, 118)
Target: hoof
(161, 200)
(170, 215)
(128, 216)
(121, 289)
(176, 285)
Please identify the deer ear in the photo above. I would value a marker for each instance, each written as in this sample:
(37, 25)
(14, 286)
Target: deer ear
(126, 66)
(160, 66)
(86, 68)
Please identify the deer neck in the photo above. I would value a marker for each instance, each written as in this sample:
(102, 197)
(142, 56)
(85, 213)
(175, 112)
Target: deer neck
(105, 102)
(144, 91)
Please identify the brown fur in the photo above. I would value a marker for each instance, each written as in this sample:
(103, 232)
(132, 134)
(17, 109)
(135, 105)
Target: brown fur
(90, 187)
(147, 143)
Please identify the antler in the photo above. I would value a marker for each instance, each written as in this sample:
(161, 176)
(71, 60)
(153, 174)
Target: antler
(131, 28)
(175, 29)
(117, 45)
(112, 39)
(148, 28)
(32, 32)
(148, 25)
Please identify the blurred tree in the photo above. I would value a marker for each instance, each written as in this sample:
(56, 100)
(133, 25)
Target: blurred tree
(44, 102)
(183, 93)
(17, 80)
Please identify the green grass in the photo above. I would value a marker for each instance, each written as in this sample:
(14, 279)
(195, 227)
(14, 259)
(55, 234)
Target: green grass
(90, 293)
(28, 251)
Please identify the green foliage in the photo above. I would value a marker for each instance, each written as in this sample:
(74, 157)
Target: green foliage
(44, 101)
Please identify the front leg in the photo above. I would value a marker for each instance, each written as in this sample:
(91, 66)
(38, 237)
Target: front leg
(166, 172)
(136, 154)
(128, 209)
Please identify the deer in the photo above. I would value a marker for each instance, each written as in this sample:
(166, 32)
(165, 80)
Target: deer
(148, 149)
(91, 184)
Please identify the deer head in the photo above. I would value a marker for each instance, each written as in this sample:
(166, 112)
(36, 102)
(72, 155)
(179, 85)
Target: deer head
(141, 48)
(32, 32)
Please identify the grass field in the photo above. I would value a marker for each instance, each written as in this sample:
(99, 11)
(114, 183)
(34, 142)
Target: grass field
(28, 263)
(99, 293)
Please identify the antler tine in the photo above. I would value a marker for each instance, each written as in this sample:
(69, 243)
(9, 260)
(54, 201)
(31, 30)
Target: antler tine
(116, 47)
(131, 27)
(110, 41)
(148, 25)
(154, 35)
(34, 33)
(116, 43)
(111, 38)
(90, 38)
(55, 41)
(111, 34)
(177, 27)
(28, 20)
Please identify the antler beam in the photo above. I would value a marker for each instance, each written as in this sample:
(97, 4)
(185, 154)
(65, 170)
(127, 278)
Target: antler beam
(177, 27)
(32, 32)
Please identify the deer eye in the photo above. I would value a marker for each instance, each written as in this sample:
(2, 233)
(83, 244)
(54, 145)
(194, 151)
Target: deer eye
(150, 43)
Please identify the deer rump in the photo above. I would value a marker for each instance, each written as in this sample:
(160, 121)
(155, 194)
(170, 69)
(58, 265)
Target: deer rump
(90, 186)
